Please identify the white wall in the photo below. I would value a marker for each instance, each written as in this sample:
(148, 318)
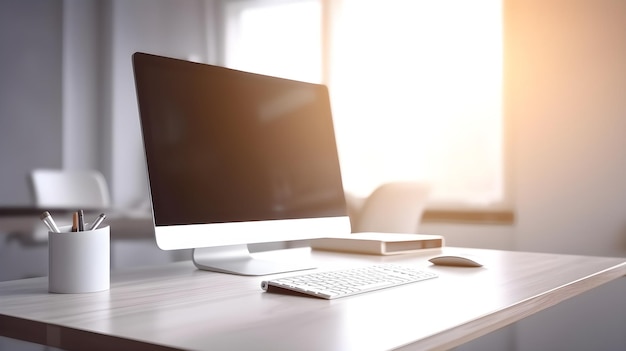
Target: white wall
(566, 100)
(30, 94)
(566, 114)
(80, 69)
(568, 108)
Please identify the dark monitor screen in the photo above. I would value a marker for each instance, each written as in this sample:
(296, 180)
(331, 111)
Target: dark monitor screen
(229, 146)
(235, 158)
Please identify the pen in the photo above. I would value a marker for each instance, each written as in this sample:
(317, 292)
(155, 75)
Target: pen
(46, 217)
(75, 222)
(81, 221)
(97, 222)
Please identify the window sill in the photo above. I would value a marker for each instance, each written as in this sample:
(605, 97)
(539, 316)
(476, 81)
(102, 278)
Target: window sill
(499, 217)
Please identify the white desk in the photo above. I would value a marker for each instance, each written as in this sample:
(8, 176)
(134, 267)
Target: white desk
(178, 307)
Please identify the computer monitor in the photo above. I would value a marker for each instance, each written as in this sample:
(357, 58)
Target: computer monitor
(235, 158)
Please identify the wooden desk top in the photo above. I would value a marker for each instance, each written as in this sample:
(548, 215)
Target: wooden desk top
(178, 307)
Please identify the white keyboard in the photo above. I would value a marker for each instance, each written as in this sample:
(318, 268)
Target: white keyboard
(346, 282)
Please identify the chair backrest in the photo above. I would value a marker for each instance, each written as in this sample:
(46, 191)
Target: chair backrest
(71, 189)
(395, 207)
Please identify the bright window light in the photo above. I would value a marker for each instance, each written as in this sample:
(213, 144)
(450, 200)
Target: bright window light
(279, 38)
(416, 85)
(417, 92)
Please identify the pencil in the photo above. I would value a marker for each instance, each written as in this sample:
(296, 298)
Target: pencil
(97, 222)
(49, 222)
(81, 221)
(75, 222)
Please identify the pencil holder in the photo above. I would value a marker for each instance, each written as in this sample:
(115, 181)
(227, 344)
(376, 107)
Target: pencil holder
(79, 262)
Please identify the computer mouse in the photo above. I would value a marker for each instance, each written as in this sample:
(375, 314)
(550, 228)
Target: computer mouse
(456, 261)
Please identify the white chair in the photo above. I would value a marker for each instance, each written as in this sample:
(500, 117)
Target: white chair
(69, 189)
(395, 207)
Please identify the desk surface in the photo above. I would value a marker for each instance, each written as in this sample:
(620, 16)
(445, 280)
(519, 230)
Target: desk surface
(178, 307)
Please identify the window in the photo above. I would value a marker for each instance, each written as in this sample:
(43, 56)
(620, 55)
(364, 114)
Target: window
(279, 38)
(416, 85)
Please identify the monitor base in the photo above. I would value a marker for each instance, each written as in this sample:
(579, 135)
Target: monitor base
(236, 259)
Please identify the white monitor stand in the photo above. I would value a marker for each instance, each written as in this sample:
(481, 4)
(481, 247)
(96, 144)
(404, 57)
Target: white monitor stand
(237, 259)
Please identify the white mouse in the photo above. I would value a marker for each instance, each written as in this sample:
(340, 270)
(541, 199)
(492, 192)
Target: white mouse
(456, 261)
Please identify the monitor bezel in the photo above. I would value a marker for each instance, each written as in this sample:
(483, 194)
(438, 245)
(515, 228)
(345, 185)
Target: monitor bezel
(189, 236)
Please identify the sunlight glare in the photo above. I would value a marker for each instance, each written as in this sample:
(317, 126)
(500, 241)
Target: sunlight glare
(294, 49)
(408, 73)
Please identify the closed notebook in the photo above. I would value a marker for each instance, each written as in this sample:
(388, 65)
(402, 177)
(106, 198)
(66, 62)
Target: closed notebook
(379, 243)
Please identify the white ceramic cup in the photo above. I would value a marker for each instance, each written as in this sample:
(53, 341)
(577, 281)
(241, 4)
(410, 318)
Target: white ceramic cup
(79, 262)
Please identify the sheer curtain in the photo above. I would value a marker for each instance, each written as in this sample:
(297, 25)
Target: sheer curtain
(416, 85)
